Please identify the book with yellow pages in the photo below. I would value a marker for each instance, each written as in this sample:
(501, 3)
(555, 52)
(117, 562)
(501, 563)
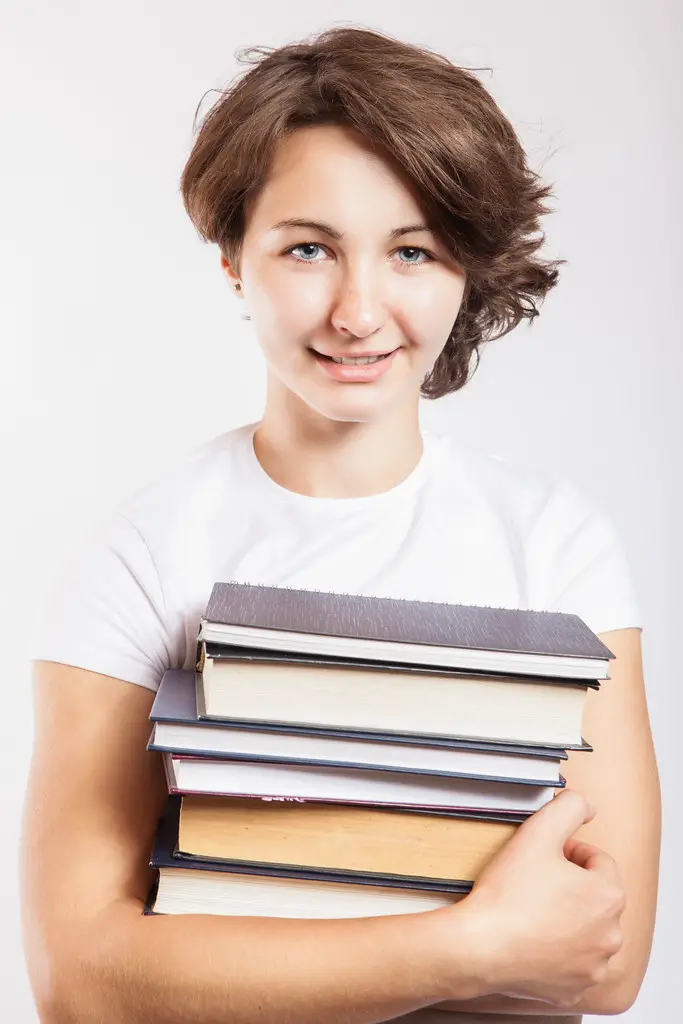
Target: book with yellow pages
(187, 885)
(373, 842)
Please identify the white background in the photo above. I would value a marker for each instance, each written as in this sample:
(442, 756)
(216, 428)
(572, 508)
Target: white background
(122, 348)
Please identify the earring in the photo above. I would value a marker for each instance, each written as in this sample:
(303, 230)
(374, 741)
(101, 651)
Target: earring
(245, 316)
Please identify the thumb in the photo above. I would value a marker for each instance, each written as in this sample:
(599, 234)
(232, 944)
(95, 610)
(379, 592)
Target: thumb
(555, 822)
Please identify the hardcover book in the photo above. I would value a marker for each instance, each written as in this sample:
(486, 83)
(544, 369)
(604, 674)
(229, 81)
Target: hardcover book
(190, 886)
(177, 729)
(373, 842)
(420, 632)
(351, 785)
(279, 687)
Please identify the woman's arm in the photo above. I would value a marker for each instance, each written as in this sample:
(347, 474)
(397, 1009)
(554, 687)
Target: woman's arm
(621, 780)
(92, 804)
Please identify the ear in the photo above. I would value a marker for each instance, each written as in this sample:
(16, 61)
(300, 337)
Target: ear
(233, 278)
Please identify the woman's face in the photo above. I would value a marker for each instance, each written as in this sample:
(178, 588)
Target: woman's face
(353, 284)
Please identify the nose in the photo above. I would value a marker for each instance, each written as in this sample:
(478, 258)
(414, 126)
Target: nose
(359, 309)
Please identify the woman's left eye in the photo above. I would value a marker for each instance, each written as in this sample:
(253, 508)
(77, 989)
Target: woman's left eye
(412, 249)
(404, 248)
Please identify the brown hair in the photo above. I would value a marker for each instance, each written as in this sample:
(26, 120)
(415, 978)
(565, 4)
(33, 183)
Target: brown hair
(434, 121)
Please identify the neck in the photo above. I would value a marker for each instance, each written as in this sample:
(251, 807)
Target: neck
(309, 454)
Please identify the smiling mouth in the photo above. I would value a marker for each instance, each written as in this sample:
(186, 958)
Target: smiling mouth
(354, 360)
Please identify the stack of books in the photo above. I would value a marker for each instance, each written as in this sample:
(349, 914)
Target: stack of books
(336, 755)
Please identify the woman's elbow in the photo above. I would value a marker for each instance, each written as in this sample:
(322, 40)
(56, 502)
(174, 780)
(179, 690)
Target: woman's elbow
(63, 983)
(618, 997)
(58, 1001)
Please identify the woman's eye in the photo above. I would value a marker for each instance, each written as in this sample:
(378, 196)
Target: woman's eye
(411, 249)
(307, 257)
(304, 245)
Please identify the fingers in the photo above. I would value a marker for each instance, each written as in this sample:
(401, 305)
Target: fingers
(584, 855)
(557, 820)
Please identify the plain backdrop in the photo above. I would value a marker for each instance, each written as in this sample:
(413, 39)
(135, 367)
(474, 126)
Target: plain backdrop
(122, 348)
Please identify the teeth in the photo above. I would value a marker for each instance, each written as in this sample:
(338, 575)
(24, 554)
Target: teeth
(358, 360)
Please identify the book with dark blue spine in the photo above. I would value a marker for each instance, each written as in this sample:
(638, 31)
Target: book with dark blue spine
(177, 730)
(186, 884)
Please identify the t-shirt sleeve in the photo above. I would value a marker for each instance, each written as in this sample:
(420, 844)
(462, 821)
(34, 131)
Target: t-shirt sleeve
(106, 612)
(576, 563)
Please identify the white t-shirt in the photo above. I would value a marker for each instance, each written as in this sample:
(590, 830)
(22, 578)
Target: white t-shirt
(464, 527)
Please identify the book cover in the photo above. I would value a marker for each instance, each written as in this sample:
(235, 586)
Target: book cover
(344, 838)
(396, 735)
(165, 854)
(484, 628)
(220, 652)
(179, 701)
(356, 785)
(314, 762)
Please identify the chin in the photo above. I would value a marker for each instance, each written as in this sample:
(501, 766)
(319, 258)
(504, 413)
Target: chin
(353, 402)
(353, 408)
(340, 416)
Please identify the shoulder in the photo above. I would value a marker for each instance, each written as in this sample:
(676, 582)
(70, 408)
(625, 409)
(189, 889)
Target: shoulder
(572, 554)
(175, 516)
(516, 492)
(119, 601)
(533, 496)
(191, 487)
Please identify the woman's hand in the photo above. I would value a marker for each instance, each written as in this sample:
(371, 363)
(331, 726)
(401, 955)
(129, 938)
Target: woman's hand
(544, 915)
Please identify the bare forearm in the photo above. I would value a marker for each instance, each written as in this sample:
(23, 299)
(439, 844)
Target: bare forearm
(608, 998)
(430, 1016)
(499, 1010)
(219, 970)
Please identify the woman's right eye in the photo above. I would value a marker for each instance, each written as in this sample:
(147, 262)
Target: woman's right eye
(303, 245)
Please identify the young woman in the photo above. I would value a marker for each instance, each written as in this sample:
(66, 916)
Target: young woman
(375, 213)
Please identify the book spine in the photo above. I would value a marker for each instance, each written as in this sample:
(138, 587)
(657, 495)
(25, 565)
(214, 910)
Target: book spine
(170, 783)
(200, 655)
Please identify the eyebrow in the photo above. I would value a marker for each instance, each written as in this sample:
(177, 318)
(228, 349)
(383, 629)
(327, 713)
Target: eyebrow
(327, 229)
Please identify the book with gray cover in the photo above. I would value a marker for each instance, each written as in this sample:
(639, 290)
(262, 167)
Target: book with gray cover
(478, 638)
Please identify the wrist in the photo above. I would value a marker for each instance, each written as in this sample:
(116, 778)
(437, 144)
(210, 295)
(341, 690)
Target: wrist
(460, 938)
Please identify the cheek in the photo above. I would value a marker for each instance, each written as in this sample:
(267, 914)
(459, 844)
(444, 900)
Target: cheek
(429, 316)
(292, 308)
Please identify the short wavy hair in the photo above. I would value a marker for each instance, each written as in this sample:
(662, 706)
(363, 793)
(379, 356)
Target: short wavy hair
(430, 118)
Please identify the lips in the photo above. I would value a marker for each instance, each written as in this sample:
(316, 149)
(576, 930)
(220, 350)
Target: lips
(367, 370)
(355, 358)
